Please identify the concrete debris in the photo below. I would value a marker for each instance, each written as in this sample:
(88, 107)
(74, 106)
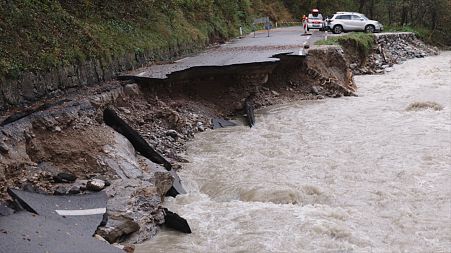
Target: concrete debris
(116, 228)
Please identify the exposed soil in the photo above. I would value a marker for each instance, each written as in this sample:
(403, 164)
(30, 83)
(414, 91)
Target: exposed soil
(69, 136)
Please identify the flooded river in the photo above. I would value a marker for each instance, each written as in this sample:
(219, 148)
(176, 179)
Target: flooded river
(354, 174)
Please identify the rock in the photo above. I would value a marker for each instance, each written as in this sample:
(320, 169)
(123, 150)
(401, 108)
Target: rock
(95, 185)
(98, 237)
(60, 190)
(125, 110)
(58, 129)
(159, 176)
(3, 147)
(174, 221)
(129, 248)
(275, 93)
(353, 65)
(32, 188)
(119, 156)
(200, 127)
(116, 228)
(174, 134)
(64, 177)
(315, 90)
(74, 190)
(138, 200)
(389, 69)
(132, 90)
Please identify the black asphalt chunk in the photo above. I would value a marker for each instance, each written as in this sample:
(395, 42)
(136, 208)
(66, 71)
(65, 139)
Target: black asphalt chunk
(83, 212)
(64, 177)
(174, 221)
(25, 232)
(113, 120)
(177, 187)
(221, 123)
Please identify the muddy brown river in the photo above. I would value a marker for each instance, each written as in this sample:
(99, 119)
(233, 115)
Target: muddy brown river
(353, 174)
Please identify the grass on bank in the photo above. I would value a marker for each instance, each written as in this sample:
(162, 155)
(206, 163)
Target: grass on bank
(364, 42)
(41, 35)
(432, 37)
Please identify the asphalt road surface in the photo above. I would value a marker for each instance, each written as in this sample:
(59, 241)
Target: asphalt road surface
(248, 49)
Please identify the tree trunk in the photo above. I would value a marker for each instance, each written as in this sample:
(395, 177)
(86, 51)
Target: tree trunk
(361, 5)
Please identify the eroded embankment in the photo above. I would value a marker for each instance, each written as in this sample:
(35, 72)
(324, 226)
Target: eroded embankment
(70, 136)
(389, 49)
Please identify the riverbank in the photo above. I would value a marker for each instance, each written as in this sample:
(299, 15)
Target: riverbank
(68, 134)
(364, 174)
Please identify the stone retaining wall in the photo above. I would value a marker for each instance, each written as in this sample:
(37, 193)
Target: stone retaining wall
(32, 86)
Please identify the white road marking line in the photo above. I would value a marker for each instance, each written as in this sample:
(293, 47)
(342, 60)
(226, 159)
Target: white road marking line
(81, 212)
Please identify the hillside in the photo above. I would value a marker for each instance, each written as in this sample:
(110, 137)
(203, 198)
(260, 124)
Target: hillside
(40, 35)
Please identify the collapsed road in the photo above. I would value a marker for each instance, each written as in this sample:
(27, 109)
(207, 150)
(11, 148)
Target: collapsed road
(165, 111)
(54, 224)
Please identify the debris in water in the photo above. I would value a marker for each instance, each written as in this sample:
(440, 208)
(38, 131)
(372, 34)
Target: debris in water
(173, 220)
(420, 106)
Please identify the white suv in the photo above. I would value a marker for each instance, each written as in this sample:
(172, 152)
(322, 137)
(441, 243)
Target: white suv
(352, 21)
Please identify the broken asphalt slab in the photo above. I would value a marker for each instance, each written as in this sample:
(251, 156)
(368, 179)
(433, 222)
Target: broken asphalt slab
(222, 123)
(83, 212)
(25, 232)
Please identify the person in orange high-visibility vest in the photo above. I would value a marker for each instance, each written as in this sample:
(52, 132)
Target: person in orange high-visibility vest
(304, 22)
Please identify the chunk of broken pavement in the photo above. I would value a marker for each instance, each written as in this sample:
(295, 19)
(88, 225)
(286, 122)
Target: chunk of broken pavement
(60, 190)
(174, 221)
(116, 228)
(74, 190)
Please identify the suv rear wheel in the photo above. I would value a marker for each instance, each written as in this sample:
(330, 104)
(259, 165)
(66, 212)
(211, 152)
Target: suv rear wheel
(337, 29)
(370, 29)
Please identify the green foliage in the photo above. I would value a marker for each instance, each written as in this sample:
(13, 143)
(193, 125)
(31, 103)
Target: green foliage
(430, 19)
(363, 42)
(40, 35)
